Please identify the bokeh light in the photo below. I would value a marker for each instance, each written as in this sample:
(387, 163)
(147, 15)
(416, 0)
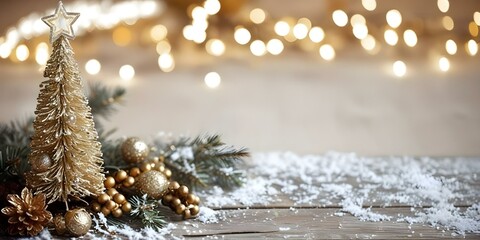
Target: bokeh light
(166, 62)
(443, 5)
(327, 52)
(394, 18)
(158, 33)
(473, 29)
(369, 5)
(22, 52)
(41, 53)
(212, 7)
(258, 48)
(410, 38)
(451, 47)
(391, 37)
(448, 23)
(275, 46)
(242, 36)
(360, 31)
(369, 43)
(212, 80)
(215, 47)
(126, 72)
(282, 28)
(399, 68)
(93, 67)
(163, 47)
(122, 36)
(472, 47)
(300, 31)
(316, 34)
(257, 16)
(443, 64)
(340, 18)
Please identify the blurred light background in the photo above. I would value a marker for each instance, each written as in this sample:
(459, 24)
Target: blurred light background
(375, 77)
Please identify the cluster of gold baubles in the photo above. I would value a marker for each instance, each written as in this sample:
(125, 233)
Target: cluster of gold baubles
(147, 176)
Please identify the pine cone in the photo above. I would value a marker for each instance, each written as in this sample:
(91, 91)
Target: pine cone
(28, 215)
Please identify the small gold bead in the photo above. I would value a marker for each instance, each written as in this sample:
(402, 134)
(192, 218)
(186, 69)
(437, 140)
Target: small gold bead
(194, 210)
(126, 207)
(153, 165)
(145, 167)
(180, 208)
(119, 198)
(183, 191)
(103, 198)
(174, 185)
(120, 176)
(167, 173)
(135, 171)
(155, 159)
(167, 199)
(128, 182)
(187, 214)
(117, 212)
(96, 207)
(111, 192)
(161, 168)
(105, 211)
(190, 198)
(111, 205)
(197, 200)
(109, 182)
(161, 158)
(176, 201)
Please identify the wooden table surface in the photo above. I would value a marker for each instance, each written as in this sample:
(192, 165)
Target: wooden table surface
(322, 213)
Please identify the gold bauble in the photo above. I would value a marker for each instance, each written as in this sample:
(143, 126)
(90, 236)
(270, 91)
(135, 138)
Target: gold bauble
(78, 222)
(153, 183)
(134, 150)
(41, 163)
(59, 223)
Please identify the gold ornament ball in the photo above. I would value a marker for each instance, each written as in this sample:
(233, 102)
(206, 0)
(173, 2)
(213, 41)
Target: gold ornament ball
(106, 211)
(78, 222)
(41, 163)
(134, 150)
(187, 214)
(152, 183)
(111, 205)
(59, 223)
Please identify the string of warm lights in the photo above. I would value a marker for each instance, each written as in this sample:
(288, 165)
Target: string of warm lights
(281, 33)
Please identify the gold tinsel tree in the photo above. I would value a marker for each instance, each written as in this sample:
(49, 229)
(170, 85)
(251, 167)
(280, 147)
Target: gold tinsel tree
(65, 157)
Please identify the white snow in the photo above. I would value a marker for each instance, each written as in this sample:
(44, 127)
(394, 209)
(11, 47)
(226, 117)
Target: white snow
(359, 182)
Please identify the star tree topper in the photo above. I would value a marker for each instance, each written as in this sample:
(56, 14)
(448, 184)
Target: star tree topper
(61, 22)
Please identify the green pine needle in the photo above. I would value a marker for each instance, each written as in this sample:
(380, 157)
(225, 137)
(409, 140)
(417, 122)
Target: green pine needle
(213, 163)
(146, 209)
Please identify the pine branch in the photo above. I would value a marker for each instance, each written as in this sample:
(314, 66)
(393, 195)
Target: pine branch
(13, 164)
(103, 100)
(212, 163)
(16, 133)
(147, 210)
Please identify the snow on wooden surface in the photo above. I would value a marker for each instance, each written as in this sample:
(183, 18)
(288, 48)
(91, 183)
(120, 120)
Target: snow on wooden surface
(336, 195)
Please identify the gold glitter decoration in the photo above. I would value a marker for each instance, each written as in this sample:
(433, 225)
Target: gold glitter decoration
(64, 127)
(59, 223)
(78, 222)
(134, 150)
(27, 215)
(153, 183)
(41, 163)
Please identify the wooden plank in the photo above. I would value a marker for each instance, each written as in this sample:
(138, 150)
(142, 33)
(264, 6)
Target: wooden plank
(458, 176)
(309, 223)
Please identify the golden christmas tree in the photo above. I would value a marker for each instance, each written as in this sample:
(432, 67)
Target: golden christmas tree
(65, 156)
